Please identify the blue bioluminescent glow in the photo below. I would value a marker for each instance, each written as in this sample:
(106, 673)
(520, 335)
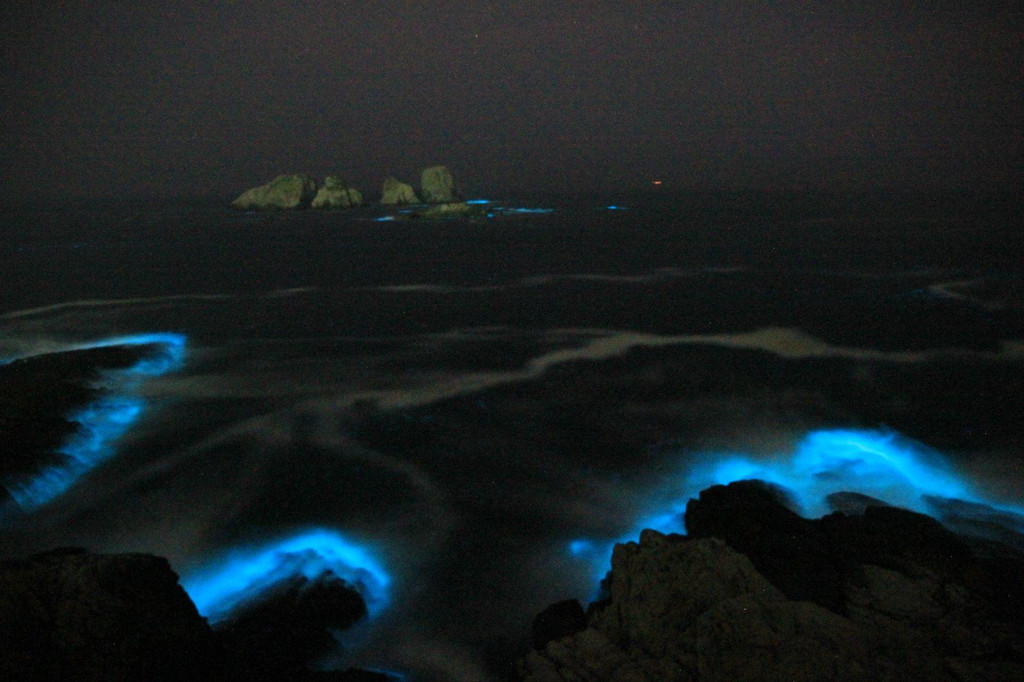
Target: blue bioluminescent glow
(102, 422)
(581, 547)
(880, 464)
(384, 219)
(478, 201)
(242, 576)
(613, 207)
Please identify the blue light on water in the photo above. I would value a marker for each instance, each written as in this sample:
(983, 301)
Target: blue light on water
(384, 219)
(243, 575)
(103, 422)
(478, 201)
(880, 464)
(614, 207)
(581, 547)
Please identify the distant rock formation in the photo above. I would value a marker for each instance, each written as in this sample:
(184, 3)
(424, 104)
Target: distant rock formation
(396, 192)
(335, 193)
(438, 185)
(300, 191)
(887, 595)
(283, 192)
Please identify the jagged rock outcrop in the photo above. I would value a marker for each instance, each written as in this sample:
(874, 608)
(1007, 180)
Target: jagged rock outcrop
(902, 598)
(396, 192)
(283, 192)
(558, 621)
(438, 186)
(335, 193)
(72, 615)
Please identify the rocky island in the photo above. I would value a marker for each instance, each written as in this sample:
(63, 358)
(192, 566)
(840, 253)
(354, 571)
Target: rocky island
(396, 192)
(336, 193)
(300, 191)
(283, 192)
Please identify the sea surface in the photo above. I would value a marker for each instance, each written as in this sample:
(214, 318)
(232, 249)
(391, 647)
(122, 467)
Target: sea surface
(467, 414)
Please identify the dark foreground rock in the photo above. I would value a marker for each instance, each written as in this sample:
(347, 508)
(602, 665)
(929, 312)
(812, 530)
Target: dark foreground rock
(887, 595)
(73, 615)
(290, 627)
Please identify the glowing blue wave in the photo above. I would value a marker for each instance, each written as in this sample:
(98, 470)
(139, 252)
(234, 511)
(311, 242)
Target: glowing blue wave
(102, 422)
(879, 464)
(242, 576)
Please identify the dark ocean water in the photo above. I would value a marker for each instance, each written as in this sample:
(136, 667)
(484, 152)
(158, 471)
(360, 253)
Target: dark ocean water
(479, 408)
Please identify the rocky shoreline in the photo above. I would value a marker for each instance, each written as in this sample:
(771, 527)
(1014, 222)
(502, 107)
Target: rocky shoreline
(753, 592)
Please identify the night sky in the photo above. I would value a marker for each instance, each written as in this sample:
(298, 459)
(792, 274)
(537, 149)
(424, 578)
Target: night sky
(176, 99)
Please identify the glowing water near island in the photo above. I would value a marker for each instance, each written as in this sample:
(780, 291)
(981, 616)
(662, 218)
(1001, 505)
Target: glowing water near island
(102, 422)
(243, 575)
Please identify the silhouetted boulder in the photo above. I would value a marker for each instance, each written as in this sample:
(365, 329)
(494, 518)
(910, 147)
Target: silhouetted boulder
(557, 622)
(396, 192)
(438, 185)
(789, 550)
(72, 615)
(291, 626)
(283, 192)
(335, 193)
